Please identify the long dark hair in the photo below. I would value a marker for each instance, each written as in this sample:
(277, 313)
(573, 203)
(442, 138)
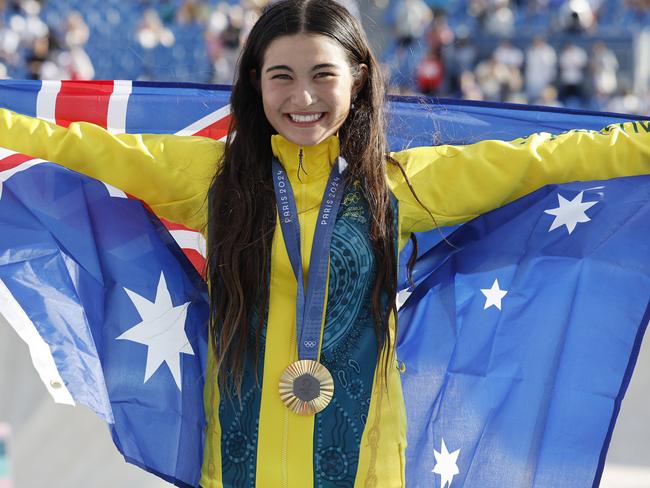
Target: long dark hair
(242, 201)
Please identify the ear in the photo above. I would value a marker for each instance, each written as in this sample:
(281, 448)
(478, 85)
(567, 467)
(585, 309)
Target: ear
(254, 79)
(360, 79)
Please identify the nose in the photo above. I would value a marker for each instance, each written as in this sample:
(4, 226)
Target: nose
(303, 96)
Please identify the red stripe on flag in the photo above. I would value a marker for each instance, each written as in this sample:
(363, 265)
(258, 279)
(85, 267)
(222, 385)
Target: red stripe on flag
(174, 226)
(14, 160)
(83, 101)
(196, 259)
(217, 130)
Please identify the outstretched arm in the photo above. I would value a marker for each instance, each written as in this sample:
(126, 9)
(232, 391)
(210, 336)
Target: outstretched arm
(172, 174)
(457, 183)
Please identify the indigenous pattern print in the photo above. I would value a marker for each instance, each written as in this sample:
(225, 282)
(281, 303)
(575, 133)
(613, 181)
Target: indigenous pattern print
(239, 419)
(349, 348)
(349, 351)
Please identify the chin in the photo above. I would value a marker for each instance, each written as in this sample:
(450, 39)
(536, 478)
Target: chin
(306, 139)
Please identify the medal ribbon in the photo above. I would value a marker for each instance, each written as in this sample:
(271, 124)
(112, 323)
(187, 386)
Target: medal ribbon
(309, 308)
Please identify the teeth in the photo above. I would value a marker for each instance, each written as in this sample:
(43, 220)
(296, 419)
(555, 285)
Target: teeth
(305, 118)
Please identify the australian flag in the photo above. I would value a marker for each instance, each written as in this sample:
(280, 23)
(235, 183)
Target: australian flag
(516, 344)
(112, 311)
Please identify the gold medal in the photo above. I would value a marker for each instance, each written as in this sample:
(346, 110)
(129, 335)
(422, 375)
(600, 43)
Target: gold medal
(306, 387)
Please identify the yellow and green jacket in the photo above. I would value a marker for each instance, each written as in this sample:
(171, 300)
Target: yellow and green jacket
(360, 438)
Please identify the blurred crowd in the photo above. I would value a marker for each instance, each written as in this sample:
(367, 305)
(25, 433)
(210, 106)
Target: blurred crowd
(46, 52)
(489, 54)
(548, 52)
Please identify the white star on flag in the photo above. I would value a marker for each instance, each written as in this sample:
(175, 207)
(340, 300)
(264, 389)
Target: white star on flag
(494, 295)
(570, 213)
(162, 330)
(446, 465)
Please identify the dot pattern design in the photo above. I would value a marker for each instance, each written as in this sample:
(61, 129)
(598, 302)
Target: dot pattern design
(349, 347)
(349, 351)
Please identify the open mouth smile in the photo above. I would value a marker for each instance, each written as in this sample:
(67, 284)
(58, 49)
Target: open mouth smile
(305, 119)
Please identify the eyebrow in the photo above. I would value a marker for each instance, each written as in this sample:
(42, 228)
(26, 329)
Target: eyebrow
(284, 67)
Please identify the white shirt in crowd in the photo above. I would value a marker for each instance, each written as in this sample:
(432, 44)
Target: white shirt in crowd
(540, 68)
(573, 60)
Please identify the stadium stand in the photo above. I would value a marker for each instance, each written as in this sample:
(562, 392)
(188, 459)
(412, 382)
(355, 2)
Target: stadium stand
(438, 47)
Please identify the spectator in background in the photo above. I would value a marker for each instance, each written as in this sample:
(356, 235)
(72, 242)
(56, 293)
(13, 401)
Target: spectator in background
(603, 70)
(500, 19)
(399, 68)
(478, 9)
(576, 16)
(252, 12)
(439, 35)
(572, 63)
(232, 35)
(493, 78)
(430, 73)
(40, 65)
(540, 68)
(469, 87)
(626, 102)
(26, 22)
(412, 17)
(460, 59)
(548, 97)
(75, 62)
(151, 32)
(509, 55)
(9, 43)
(399, 63)
(227, 28)
(221, 60)
(440, 39)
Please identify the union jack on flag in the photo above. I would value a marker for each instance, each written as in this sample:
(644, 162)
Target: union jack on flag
(123, 106)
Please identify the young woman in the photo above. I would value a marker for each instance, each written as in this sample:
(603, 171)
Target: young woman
(302, 388)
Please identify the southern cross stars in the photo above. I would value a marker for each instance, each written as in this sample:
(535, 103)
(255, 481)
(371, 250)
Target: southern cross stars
(162, 330)
(570, 213)
(446, 465)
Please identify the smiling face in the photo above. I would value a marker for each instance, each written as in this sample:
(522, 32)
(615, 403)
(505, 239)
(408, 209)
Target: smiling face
(307, 85)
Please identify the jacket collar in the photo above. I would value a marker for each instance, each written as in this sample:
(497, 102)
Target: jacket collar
(317, 160)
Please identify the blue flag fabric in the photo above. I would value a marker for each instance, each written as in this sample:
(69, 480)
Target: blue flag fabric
(516, 345)
(101, 281)
(516, 355)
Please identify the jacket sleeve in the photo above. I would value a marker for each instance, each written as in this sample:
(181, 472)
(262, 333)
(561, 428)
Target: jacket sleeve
(172, 174)
(457, 183)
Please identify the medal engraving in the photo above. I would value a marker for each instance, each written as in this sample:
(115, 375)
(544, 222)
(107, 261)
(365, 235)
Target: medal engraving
(306, 387)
